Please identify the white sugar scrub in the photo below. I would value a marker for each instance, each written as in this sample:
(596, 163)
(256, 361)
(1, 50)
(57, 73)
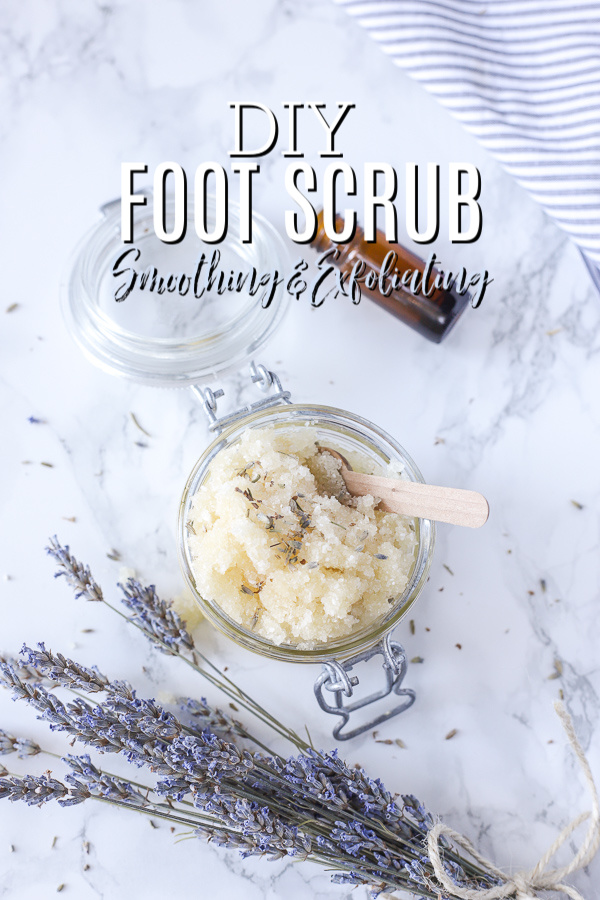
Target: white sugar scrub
(277, 542)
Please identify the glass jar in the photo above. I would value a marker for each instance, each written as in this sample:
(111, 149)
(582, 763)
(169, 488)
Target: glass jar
(349, 434)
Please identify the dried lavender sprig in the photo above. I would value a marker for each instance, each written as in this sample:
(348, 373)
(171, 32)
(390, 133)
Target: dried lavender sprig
(33, 693)
(45, 666)
(263, 832)
(156, 617)
(29, 673)
(58, 669)
(135, 726)
(88, 781)
(138, 727)
(80, 578)
(100, 728)
(61, 670)
(321, 785)
(322, 780)
(417, 867)
(383, 859)
(25, 747)
(152, 737)
(253, 830)
(36, 790)
(351, 836)
(76, 574)
(55, 712)
(329, 779)
(148, 736)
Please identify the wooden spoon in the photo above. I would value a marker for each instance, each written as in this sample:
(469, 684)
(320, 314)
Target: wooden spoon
(412, 498)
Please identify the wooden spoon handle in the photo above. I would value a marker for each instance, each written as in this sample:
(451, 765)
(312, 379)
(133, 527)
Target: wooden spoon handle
(423, 501)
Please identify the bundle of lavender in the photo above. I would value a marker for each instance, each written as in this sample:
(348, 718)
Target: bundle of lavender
(208, 773)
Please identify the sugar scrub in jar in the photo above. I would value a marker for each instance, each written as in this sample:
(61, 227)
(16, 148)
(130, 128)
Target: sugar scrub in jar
(276, 551)
(278, 542)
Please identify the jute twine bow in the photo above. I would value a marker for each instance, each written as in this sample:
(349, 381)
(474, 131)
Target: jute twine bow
(523, 885)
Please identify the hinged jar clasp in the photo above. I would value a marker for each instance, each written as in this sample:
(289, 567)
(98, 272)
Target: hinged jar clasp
(259, 375)
(335, 678)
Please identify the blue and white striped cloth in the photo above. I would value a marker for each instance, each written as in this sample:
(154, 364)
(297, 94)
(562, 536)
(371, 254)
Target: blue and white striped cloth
(524, 77)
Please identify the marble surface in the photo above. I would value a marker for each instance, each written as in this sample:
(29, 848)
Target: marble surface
(509, 406)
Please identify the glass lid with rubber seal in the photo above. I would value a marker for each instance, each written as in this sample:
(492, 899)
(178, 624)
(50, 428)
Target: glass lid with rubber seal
(174, 314)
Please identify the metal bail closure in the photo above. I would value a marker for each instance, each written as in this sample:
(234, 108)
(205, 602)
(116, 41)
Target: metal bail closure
(335, 678)
(260, 376)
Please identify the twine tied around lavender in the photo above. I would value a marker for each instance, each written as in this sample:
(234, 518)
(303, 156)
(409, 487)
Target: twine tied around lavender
(523, 885)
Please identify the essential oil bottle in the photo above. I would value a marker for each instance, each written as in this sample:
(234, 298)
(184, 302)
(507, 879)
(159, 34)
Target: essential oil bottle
(431, 316)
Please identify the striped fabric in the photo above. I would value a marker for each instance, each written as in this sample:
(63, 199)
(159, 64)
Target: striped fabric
(524, 77)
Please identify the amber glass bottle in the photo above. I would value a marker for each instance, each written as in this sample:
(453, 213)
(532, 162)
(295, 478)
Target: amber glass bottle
(432, 316)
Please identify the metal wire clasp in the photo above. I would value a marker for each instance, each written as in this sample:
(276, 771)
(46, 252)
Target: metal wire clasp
(259, 375)
(336, 679)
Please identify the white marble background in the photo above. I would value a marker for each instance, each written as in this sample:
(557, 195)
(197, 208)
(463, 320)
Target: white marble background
(509, 405)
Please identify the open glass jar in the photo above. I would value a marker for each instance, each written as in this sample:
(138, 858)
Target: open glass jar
(352, 435)
(164, 339)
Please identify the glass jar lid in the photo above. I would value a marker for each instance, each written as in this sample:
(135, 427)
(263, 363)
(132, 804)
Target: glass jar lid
(174, 314)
